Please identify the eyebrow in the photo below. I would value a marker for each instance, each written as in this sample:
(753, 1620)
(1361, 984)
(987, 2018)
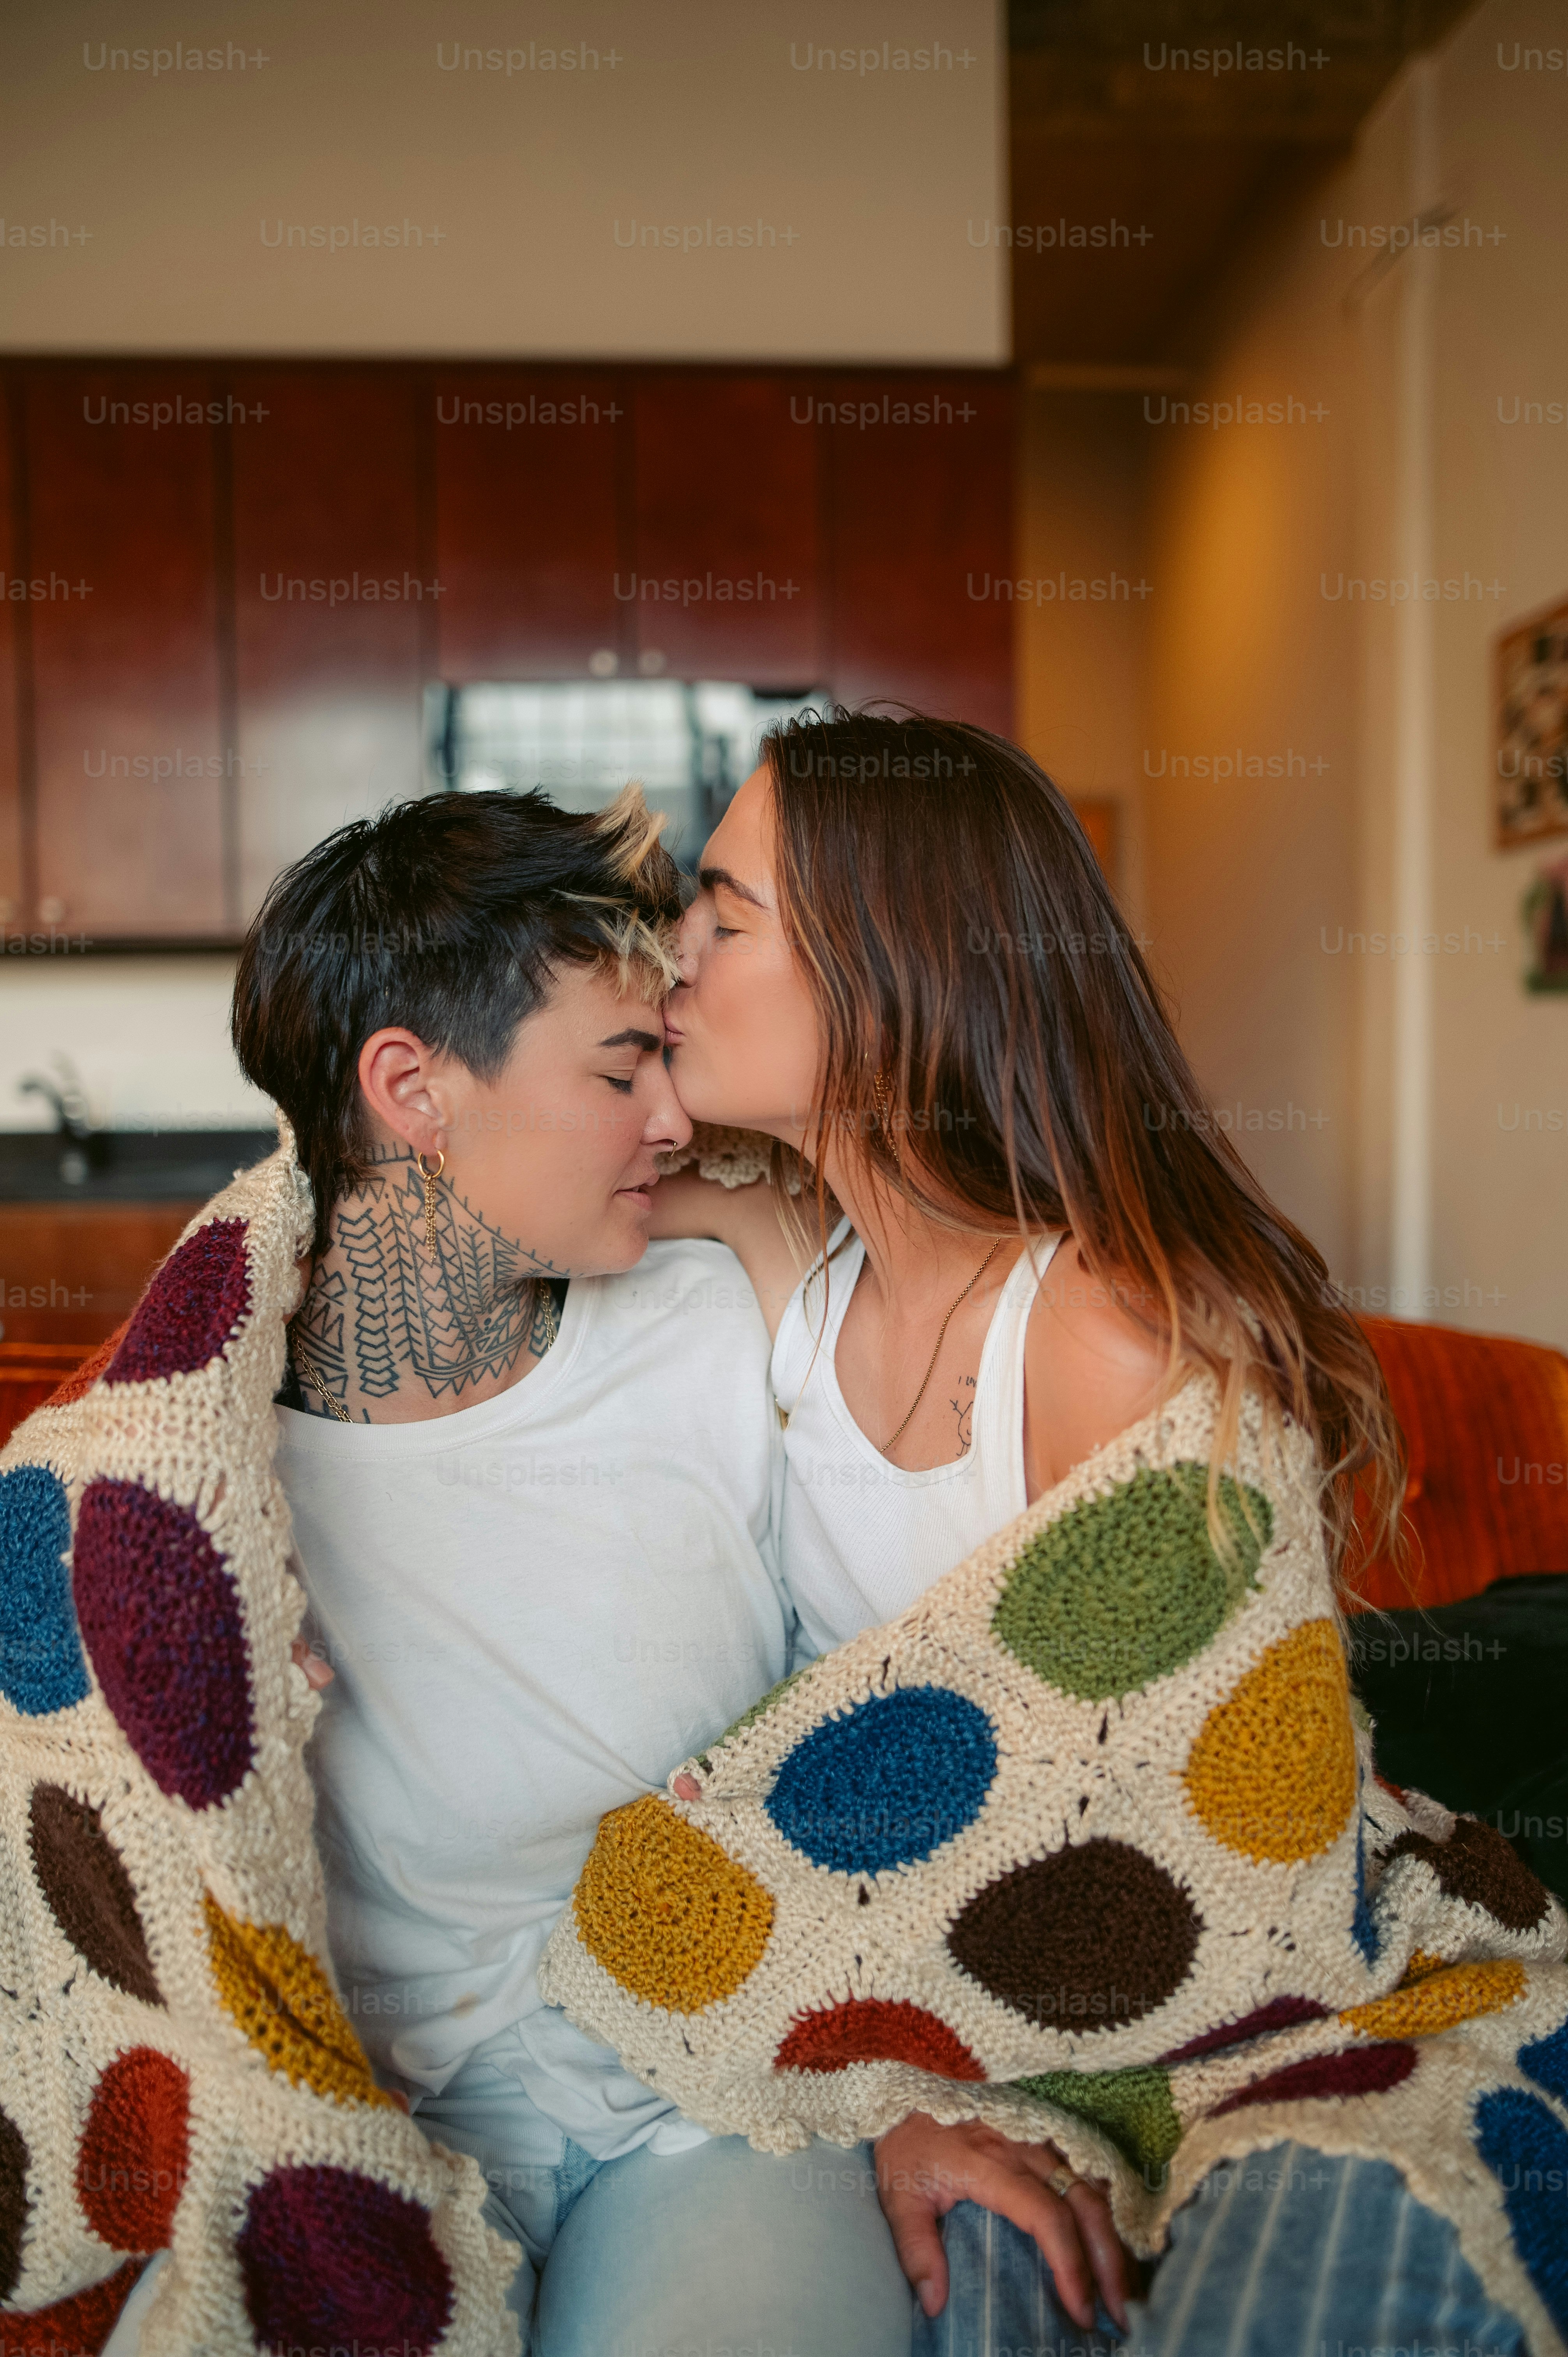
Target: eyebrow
(647, 1040)
(709, 879)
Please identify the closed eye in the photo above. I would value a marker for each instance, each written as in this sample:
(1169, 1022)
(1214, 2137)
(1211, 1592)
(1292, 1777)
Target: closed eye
(624, 1086)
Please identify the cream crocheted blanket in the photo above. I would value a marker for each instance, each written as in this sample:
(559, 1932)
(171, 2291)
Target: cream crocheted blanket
(176, 2071)
(1088, 1845)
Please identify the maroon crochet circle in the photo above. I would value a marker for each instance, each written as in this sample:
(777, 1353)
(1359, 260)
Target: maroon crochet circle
(190, 1308)
(1280, 2013)
(1357, 2070)
(328, 2255)
(159, 1615)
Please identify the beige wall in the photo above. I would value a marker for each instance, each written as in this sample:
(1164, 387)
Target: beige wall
(1412, 1184)
(713, 117)
(1500, 1195)
(710, 114)
(1248, 762)
(1082, 656)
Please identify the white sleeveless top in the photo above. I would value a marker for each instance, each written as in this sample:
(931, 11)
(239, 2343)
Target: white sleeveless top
(859, 1538)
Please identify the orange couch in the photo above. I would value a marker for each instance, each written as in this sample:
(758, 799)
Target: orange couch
(1485, 1425)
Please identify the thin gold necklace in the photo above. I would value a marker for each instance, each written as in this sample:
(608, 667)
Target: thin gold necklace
(888, 1444)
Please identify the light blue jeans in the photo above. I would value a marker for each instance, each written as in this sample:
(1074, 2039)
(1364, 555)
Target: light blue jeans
(722, 2251)
(1285, 2253)
(715, 2252)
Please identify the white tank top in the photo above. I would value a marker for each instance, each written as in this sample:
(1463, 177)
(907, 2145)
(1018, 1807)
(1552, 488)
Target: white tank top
(859, 1538)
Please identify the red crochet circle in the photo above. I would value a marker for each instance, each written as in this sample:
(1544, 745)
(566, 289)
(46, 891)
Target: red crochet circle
(875, 2029)
(77, 2327)
(135, 2151)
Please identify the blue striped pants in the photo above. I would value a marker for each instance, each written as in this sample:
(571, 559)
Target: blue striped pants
(1287, 2253)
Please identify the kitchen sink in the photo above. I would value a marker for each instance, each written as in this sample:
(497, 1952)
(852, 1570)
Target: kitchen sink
(142, 1166)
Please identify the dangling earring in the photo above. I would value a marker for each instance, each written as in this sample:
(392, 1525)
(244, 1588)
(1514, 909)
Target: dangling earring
(881, 1096)
(430, 1177)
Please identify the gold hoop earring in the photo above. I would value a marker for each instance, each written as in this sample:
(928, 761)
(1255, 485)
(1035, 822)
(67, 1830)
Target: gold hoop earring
(430, 1177)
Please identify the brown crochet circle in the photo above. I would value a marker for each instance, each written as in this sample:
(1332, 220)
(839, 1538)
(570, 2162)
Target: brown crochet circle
(13, 2202)
(1476, 1863)
(1091, 1938)
(88, 1890)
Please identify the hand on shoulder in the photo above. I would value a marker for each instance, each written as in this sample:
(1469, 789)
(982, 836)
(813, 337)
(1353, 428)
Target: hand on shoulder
(1092, 1367)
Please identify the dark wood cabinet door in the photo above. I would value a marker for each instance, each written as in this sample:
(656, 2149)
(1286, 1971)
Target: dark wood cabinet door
(15, 915)
(126, 654)
(335, 606)
(527, 466)
(921, 472)
(727, 543)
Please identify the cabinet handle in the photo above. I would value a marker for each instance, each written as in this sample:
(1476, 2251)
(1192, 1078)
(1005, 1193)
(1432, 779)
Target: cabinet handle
(51, 910)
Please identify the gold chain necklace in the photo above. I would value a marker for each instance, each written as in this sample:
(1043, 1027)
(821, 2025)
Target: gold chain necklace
(888, 1444)
(305, 1367)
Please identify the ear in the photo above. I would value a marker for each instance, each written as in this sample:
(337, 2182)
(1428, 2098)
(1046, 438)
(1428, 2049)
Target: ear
(404, 1086)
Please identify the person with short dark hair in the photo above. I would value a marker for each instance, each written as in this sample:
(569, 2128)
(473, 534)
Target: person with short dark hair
(529, 1465)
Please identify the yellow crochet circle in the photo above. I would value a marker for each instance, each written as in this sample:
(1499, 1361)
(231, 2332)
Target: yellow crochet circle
(663, 1910)
(280, 1998)
(1272, 1773)
(1439, 1999)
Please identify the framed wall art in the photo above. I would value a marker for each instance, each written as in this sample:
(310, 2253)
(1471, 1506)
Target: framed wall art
(1529, 770)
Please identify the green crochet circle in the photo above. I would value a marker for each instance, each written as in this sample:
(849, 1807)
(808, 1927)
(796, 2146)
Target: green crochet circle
(1133, 2108)
(1125, 1588)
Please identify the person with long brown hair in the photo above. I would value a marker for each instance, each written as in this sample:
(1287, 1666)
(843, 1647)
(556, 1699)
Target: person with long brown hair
(906, 968)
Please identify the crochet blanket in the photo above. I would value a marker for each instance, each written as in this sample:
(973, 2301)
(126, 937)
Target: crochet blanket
(1088, 1845)
(176, 2071)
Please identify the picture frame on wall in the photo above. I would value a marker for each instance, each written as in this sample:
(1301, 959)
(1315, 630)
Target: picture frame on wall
(1530, 764)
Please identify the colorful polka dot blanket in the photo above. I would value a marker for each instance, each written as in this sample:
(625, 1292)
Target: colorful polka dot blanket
(176, 2071)
(1088, 1845)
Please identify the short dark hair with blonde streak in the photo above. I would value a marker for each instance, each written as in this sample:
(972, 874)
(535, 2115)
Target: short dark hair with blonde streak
(452, 915)
(996, 1048)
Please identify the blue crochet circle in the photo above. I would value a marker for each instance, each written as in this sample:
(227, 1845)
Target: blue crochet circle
(1545, 2060)
(887, 1782)
(1525, 2146)
(41, 1665)
(1363, 1924)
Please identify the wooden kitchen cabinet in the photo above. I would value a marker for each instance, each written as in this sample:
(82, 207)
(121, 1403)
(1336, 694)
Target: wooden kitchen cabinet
(71, 1272)
(335, 601)
(15, 899)
(528, 465)
(727, 498)
(922, 531)
(254, 571)
(128, 703)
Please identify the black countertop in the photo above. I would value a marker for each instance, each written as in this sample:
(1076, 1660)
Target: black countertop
(143, 1166)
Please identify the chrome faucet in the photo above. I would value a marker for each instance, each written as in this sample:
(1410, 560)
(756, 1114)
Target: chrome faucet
(81, 1151)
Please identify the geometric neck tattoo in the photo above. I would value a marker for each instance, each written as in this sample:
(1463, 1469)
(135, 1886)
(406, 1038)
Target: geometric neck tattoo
(409, 1321)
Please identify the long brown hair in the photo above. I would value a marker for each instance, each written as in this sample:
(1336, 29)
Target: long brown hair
(995, 1049)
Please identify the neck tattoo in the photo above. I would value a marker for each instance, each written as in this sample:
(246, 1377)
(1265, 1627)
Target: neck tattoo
(396, 1317)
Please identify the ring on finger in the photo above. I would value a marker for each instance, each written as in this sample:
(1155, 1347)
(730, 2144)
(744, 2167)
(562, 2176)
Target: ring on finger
(1062, 2181)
